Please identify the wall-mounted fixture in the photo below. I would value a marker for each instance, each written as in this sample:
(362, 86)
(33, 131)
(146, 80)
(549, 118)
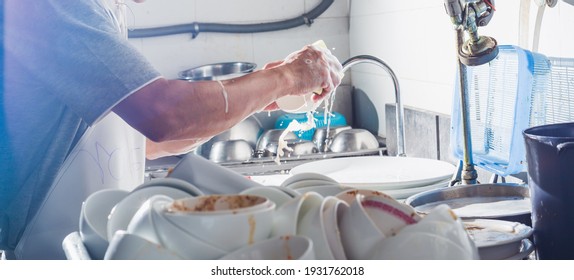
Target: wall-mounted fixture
(195, 28)
(466, 17)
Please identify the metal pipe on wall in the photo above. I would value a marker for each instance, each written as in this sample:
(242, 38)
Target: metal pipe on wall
(197, 27)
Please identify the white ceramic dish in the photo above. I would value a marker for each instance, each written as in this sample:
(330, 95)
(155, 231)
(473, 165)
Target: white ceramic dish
(308, 183)
(93, 219)
(178, 240)
(287, 217)
(226, 221)
(287, 247)
(382, 172)
(403, 193)
(418, 245)
(273, 193)
(126, 246)
(297, 103)
(388, 214)
(171, 182)
(442, 222)
(122, 213)
(293, 178)
(312, 225)
(141, 223)
(332, 213)
(358, 231)
(324, 190)
(497, 239)
(526, 249)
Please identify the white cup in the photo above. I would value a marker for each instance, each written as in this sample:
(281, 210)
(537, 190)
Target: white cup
(286, 247)
(126, 246)
(93, 219)
(417, 245)
(358, 231)
(227, 221)
(297, 103)
(314, 225)
(388, 214)
(287, 216)
(141, 223)
(272, 193)
(176, 239)
(123, 212)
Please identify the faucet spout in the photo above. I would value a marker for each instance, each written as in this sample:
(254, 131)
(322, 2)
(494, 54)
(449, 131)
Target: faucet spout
(400, 126)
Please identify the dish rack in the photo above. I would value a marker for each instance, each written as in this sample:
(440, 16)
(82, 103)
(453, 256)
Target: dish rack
(517, 90)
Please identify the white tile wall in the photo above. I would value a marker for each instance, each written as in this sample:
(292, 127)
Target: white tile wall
(172, 54)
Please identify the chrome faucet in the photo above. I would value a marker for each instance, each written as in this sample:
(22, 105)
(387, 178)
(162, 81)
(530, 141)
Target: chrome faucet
(399, 105)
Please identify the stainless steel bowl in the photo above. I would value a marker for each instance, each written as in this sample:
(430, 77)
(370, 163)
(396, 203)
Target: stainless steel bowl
(219, 71)
(272, 136)
(352, 140)
(299, 147)
(248, 130)
(230, 151)
(320, 136)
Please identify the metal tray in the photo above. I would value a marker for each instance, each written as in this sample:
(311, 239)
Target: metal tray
(503, 201)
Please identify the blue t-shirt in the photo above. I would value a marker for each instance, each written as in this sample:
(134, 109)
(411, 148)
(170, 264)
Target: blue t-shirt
(65, 66)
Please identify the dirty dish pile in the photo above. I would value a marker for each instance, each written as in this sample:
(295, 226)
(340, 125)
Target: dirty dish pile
(108, 211)
(270, 223)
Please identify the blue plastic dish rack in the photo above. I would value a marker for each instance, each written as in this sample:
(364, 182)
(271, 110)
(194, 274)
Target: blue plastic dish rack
(501, 95)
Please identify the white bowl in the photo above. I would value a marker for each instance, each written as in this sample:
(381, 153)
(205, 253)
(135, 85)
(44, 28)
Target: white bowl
(358, 232)
(324, 190)
(126, 246)
(210, 177)
(440, 227)
(443, 221)
(93, 219)
(272, 193)
(287, 216)
(297, 103)
(418, 246)
(178, 240)
(313, 226)
(171, 182)
(388, 214)
(141, 223)
(286, 247)
(293, 178)
(350, 195)
(309, 183)
(497, 239)
(332, 213)
(124, 210)
(290, 192)
(228, 221)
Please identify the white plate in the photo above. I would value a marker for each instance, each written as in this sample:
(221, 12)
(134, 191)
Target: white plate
(293, 178)
(406, 192)
(525, 250)
(497, 239)
(309, 183)
(382, 172)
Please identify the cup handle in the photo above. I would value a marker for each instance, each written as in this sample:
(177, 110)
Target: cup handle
(563, 146)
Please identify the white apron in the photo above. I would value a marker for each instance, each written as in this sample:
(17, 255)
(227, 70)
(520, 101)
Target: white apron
(110, 154)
